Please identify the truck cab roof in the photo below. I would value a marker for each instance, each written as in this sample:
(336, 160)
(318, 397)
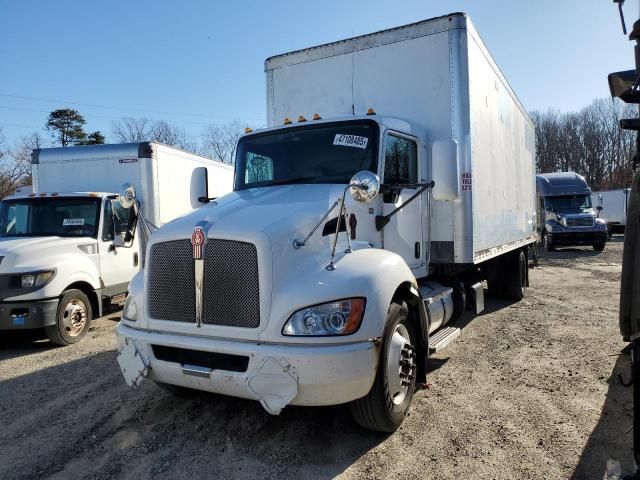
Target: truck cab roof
(561, 183)
(389, 122)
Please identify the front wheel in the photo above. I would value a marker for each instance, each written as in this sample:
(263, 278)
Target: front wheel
(387, 403)
(598, 247)
(73, 318)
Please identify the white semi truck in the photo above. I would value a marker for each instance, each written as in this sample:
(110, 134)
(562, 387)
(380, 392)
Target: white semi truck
(396, 174)
(68, 247)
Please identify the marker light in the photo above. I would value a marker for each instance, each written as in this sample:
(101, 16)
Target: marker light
(287, 121)
(248, 130)
(371, 111)
(301, 119)
(316, 116)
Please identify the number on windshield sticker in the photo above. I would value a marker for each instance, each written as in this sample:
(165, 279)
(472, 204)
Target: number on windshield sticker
(350, 141)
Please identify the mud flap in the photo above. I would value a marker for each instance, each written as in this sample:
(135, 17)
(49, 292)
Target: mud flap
(275, 383)
(133, 364)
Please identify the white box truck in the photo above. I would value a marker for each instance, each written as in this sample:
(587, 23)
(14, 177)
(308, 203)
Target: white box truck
(68, 247)
(396, 174)
(613, 211)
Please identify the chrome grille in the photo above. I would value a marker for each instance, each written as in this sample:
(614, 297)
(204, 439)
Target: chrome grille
(171, 288)
(231, 293)
(231, 286)
(575, 222)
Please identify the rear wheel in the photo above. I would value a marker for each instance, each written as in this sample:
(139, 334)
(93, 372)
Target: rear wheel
(73, 318)
(516, 268)
(598, 247)
(387, 404)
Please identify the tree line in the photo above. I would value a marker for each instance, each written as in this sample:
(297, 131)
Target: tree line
(589, 142)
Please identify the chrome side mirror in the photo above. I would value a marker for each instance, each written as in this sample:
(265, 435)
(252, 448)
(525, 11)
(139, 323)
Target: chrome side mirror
(127, 196)
(364, 186)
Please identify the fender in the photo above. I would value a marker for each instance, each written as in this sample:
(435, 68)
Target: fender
(371, 273)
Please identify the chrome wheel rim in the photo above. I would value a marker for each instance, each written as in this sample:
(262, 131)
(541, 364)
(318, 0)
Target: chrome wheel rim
(401, 364)
(74, 317)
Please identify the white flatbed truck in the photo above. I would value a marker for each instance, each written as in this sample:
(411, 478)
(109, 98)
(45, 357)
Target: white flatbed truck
(67, 246)
(396, 174)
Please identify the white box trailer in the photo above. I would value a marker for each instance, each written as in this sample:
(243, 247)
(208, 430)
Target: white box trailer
(438, 76)
(67, 246)
(614, 205)
(396, 174)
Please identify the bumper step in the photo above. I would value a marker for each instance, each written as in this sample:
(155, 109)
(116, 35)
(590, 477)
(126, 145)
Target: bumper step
(442, 338)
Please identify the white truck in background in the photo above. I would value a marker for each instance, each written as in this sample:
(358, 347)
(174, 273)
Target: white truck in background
(68, 247)
(396, 174)
(614, 205)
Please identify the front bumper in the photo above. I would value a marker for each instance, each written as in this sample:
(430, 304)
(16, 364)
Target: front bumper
(28, 315)
(577, 238)
(276, 374)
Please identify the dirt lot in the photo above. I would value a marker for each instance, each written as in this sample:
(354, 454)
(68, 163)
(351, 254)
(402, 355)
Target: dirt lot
(530, 391)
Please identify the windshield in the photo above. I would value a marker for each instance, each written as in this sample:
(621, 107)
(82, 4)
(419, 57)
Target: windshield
(572, 203)
(325, 153)
(59, 216)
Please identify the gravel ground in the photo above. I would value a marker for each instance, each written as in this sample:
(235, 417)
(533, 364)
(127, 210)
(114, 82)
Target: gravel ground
(529, 391)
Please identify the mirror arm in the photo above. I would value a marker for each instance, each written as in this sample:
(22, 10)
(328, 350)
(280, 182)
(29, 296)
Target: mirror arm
(207, 199)
(383, 220)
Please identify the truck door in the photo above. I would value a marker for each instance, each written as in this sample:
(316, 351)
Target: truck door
(403, 233)
(117, 264)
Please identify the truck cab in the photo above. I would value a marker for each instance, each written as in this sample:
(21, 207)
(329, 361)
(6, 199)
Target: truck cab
(64, 255)
(566, 215)
(70, 245)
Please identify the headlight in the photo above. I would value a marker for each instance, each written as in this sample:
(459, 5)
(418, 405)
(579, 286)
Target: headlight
(31, 280)
(341, 317)
(601, 224)
(130, 311)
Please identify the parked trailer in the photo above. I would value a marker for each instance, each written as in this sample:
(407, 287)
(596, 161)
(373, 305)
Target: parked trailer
(68, 247)
(614, 205)
(396, 173)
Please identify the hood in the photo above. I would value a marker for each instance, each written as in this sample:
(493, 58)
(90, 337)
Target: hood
(280, 211)
(28, 253)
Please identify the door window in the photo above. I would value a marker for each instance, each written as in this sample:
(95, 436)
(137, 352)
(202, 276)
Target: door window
(400, 161)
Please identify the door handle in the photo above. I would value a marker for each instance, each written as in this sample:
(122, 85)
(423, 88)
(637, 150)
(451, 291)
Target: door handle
(135, 259)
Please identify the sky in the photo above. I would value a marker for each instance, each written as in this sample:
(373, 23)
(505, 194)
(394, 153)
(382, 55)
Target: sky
(202, 61)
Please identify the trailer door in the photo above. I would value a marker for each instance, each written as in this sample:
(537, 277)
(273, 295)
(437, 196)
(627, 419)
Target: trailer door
(403, 234)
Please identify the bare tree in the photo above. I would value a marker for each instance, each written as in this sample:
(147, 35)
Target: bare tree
(220, 141)
(589, 142)
(131, 130)
(15, 163)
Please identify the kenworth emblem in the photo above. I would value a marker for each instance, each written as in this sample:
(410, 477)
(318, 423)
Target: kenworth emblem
(197, 240)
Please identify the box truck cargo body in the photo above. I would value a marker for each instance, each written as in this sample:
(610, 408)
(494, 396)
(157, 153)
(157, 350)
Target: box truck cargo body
(614, 205)
(69, 246)
(395, 175)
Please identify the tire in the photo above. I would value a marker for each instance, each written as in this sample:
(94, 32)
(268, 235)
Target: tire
(516, 267)
(387, 403)
(495, 277)
(548, 246)
(598, 247)
(73, 318)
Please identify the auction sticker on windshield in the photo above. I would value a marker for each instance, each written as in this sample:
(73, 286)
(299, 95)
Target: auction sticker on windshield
(72, 221)
(350, 141)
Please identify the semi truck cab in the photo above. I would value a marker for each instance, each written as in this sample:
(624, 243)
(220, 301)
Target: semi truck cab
(566, 216)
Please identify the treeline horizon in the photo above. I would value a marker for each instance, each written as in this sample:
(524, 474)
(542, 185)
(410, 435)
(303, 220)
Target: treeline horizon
(588, 142)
